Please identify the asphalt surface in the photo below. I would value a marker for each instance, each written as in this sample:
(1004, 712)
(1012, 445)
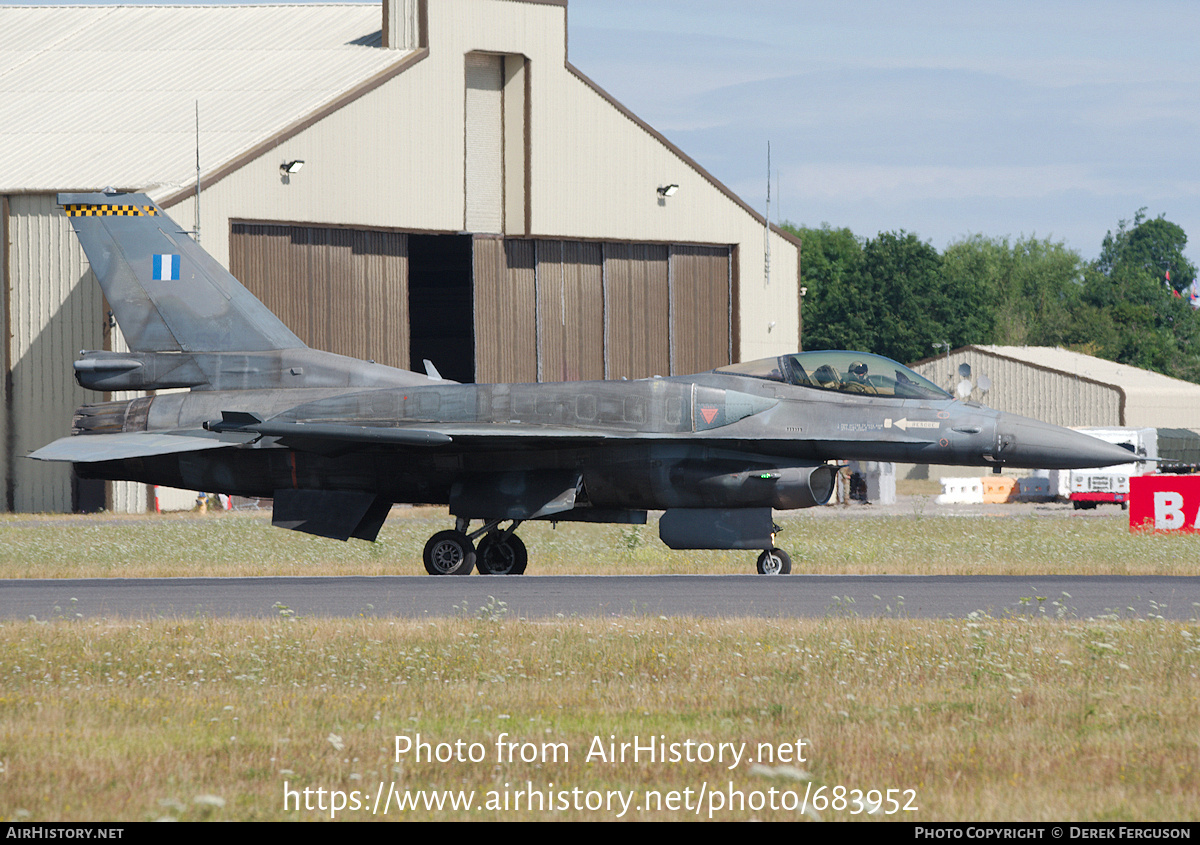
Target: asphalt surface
(549, 597)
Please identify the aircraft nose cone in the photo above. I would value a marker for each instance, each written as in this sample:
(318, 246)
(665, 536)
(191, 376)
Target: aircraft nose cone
(1023, 442)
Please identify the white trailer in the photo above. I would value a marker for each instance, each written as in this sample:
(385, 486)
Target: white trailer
(1088, 488)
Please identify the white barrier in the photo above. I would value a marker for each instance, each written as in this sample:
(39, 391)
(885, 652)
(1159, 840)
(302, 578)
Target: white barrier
(961, 491)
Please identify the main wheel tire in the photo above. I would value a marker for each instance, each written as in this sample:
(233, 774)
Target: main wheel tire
(774, 562)
(500, 555)
(449, 553)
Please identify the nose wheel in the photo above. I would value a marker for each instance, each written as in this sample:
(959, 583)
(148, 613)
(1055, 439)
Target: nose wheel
(774, 562)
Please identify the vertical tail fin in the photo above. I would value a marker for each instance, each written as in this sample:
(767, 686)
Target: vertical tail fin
(167, 294)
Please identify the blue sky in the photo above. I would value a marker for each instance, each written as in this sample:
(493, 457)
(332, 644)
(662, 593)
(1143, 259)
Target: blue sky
(942, 118)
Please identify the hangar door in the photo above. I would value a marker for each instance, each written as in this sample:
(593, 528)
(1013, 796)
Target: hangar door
(551, 310)
(494, 309)
(341, 290)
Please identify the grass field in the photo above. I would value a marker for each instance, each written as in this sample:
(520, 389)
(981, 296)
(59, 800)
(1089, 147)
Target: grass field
(919, 541)
(979, 719)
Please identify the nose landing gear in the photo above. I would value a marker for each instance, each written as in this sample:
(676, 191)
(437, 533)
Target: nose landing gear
(774, 562)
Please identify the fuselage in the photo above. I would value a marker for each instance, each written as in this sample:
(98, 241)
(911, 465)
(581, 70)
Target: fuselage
(744, 436)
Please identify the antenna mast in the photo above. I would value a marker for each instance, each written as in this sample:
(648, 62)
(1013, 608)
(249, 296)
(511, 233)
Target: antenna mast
(767, 225)
(196, 229)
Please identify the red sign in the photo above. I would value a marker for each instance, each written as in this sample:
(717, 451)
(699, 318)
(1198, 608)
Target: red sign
(1164, 503)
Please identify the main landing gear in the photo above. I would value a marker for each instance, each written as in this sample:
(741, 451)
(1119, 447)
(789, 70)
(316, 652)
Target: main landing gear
(500, 552)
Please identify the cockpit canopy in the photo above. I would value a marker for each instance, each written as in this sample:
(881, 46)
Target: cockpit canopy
(844, 372)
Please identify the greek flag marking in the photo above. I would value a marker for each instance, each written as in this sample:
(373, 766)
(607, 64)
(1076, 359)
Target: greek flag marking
(166, 268)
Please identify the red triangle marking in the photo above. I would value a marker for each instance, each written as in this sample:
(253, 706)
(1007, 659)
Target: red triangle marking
(709, 414)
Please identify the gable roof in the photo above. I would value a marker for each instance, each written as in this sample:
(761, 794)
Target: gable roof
(1145, 398)
(1096, 369)
(92, 96)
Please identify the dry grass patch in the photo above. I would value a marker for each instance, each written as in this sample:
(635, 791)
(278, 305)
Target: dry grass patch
(819, 542)
(984, 719)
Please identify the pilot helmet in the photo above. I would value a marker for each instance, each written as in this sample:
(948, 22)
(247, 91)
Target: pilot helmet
(858, 368)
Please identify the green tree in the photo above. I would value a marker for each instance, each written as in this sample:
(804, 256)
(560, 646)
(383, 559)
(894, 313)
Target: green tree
(896, 295)
(1144, 323)
(1028, 292)
(905, 299)
(1151, 248)
(887, 295)
(830, 266)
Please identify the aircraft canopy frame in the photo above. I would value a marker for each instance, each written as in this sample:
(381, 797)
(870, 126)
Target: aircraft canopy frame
(843, 372)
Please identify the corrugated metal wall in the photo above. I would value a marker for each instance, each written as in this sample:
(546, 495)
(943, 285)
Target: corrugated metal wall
(484, 155)
(516, 144)
(700, 308)
(55, 307)
(505, 311)
(50, 307)
(557, 310)
(341, 290)
(570, 285)
(1037, 392)
(5, 387)
(636, 311)
(401, 24)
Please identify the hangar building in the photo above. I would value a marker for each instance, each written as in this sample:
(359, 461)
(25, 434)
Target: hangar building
(1068, 388)
(399, 180)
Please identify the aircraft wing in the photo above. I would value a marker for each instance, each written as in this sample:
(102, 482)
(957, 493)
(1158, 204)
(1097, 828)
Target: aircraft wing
(330, 437)
(94, 448)
(330, 433)
(463, 433)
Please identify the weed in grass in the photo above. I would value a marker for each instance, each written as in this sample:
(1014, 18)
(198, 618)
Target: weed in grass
(493, 611)
(631, 537)
(841, 607)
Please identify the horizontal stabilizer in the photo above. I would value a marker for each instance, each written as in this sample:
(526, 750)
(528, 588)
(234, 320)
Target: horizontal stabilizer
(94, 448)
(336, 514)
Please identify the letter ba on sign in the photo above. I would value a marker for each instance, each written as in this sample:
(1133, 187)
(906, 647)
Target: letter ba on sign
(1164, 503)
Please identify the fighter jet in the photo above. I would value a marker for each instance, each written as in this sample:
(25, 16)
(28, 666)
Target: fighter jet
(335, 441)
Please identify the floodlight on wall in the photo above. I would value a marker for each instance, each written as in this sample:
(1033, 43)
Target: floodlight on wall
(289, 167)
(667, 190)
